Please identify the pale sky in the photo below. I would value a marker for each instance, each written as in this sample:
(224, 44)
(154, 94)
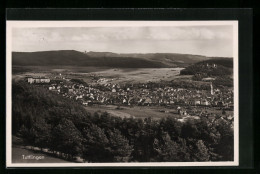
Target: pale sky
(199, 40)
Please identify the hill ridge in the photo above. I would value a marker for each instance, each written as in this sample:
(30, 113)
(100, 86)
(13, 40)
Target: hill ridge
(105, 59)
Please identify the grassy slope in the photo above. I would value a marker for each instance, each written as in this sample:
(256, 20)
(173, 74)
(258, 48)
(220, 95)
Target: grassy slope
(17, 157)
(18, 150)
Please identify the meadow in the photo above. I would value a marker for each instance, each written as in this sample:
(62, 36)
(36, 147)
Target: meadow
(111, 75)
(155, 112)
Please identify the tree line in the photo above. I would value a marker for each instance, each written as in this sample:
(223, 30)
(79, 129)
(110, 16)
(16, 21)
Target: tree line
(47, 120)
(202, 68)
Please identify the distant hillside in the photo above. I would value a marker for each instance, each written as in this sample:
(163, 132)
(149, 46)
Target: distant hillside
(75, 58)
(212, 67)
(170, 59)
(105, 59)
(226, 62)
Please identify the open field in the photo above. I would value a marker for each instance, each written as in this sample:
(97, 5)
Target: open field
(114, 75)
(137, 111)
(155, 112)
(130, 75)
(140, 75)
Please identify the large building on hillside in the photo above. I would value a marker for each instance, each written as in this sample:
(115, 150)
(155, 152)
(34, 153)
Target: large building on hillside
(38, 80)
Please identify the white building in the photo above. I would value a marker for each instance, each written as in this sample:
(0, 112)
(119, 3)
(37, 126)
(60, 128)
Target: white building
(38, 80)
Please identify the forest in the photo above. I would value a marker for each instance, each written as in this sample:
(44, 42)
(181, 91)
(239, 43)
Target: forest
(47, 120)
(204, 68)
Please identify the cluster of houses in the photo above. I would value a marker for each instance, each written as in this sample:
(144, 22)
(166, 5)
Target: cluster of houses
(116, 94)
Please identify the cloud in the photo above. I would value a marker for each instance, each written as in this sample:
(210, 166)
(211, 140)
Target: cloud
(183, 39)
(152, 33)
(123, 33)
(187, 33)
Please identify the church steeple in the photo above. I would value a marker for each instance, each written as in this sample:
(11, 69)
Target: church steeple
(211, 89)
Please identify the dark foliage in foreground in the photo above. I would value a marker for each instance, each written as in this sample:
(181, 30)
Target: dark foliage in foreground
(47, 120)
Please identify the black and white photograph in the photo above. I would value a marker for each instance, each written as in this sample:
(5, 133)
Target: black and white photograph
(122, 93)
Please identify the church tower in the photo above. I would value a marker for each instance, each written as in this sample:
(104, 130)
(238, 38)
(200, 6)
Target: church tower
(211, 89)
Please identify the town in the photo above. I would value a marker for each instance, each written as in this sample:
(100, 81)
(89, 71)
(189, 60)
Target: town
(138, 94)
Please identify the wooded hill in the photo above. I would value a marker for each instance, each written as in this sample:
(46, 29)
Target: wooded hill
(104, 59)
(212, 67)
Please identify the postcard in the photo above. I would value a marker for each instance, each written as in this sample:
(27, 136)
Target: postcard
(122, 93)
